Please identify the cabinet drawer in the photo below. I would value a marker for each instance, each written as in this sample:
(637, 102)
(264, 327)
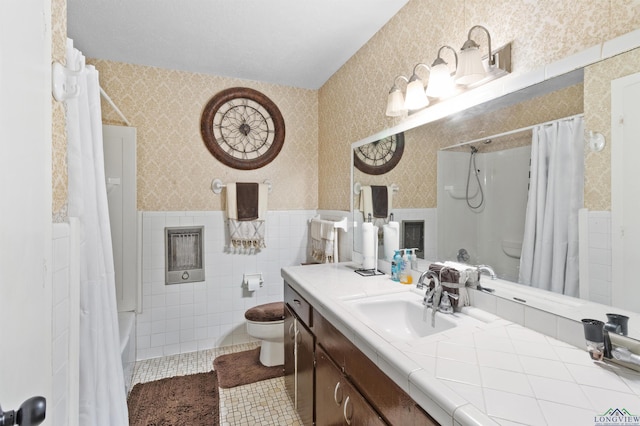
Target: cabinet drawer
(300, 307)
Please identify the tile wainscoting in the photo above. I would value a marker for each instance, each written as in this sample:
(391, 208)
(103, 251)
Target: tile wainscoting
(188, 317)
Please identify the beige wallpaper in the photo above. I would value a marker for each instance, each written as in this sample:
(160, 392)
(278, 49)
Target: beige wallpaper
(174, 167)
(597, 105)
(352, 102)
(59, 137)
(416, 174)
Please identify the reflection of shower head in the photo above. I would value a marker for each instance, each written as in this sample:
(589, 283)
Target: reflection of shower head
(473, 149)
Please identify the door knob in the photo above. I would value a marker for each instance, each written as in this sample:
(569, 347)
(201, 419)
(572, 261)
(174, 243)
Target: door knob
(30, 413)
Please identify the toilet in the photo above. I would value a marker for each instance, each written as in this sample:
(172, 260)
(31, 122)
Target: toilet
(266, 322)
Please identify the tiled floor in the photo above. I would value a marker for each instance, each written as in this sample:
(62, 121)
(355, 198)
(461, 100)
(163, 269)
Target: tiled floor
(260, 403)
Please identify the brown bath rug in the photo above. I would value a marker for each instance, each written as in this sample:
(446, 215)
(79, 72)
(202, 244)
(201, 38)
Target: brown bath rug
(181, 400)
(242, 368)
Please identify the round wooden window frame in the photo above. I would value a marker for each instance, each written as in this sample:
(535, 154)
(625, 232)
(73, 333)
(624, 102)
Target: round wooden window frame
(386, 167)
(210, 141)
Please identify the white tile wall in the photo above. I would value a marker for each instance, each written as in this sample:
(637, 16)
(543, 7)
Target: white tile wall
(187, 317)
(599, 223)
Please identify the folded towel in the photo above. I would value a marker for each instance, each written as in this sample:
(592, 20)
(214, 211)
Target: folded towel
(376, 201)
(380, 201)
(241, 199)
(323, 234)
(454, 280)
(246, 214)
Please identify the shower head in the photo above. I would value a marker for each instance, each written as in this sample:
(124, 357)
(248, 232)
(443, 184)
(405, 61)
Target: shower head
(473, 149)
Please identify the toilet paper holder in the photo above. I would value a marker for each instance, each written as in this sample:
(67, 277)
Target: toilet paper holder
(249, 280)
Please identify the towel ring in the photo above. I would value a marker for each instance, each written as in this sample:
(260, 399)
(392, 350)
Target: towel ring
(217, 185)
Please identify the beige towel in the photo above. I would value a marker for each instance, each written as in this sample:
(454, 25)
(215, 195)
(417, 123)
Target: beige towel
(323, 234)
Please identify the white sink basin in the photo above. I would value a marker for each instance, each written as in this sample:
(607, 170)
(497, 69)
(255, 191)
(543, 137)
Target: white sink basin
(402, 316)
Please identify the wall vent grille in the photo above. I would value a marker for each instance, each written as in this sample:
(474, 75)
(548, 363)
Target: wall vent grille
(184, 254)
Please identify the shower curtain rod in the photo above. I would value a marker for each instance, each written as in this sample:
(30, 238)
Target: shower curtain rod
(511, 132)
(113, 105)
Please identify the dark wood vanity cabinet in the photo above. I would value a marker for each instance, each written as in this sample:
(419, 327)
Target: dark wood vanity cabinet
(337, 401)
(299, 348)
(345, 387)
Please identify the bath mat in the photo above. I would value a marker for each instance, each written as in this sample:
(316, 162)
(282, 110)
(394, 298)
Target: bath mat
(242, 368)
(180, 400)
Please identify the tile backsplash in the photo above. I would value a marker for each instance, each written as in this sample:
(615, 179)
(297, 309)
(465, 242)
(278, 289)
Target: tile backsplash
(187, 317)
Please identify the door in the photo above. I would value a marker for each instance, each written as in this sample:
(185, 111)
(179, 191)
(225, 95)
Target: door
(625, 191)
(120, 172)
(26, 194)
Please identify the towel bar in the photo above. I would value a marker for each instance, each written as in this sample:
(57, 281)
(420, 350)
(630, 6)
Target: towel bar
(217, 185)
(340, 223)
(357, 187)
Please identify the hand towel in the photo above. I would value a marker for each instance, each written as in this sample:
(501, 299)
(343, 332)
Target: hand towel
(323, 235)
(246, 214)
(376, 201)
(454, 280)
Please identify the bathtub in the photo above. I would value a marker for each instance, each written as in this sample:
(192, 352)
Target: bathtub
(126, 324)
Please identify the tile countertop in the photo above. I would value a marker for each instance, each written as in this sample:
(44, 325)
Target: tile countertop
(493, 373)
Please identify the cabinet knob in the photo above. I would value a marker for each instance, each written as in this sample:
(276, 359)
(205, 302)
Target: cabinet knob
(337, 398)
(347, 417)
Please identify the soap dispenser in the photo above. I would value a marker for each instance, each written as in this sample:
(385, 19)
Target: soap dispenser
(414, 259)
(396, 265)
(405, 272)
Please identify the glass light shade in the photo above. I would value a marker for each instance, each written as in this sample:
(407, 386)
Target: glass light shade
(395, 103)
(416, 96)
(470, 67)
(441, 83)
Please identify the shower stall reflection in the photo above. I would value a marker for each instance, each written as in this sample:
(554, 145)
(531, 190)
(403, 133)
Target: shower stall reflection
(482, 199)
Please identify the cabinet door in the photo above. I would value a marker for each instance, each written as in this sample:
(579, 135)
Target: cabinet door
(337, 401)
(289, 354)
(305, 369)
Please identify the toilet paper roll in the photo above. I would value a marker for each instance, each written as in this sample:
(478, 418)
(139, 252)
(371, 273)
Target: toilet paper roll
(368, 245)
(253, 283)
(391, 239)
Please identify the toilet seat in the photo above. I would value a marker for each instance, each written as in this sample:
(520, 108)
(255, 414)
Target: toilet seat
(266, 313)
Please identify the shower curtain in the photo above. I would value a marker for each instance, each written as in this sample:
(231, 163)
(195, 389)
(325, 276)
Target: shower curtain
(102, 391)
(549, 257)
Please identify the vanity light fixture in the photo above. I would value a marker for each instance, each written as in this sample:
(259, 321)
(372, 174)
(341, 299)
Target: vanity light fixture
(472, 70)
(416, 97)
(441, 83)
(395, 101)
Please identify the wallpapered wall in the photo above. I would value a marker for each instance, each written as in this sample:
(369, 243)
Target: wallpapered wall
(174, 167)
(597, 109)
(352, 102)
(312, 171)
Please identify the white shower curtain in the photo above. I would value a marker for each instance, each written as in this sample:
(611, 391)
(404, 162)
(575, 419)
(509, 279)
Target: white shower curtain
(549, 257)
(102, 391)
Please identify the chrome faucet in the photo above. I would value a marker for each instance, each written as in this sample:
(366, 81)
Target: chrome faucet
(432, 295)
(488, 270)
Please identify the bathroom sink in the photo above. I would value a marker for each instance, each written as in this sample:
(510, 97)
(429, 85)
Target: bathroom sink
(402, 316)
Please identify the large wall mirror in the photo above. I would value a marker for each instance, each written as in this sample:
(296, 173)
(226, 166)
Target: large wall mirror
(469, 199)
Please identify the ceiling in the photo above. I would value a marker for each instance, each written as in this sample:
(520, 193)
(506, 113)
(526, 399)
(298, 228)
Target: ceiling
(299, 43)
